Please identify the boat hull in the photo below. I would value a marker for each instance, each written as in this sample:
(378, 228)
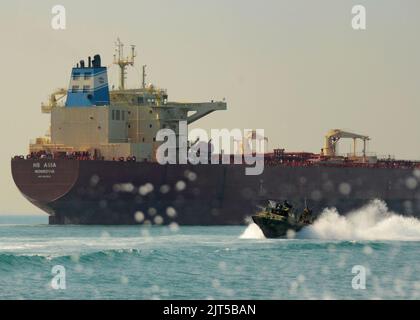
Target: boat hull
(276, 228)
(112, 192)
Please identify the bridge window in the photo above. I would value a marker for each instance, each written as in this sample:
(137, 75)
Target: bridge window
(86, 89)
(117, 116)
(76, 76)
(140, 100)
(74, 89)
(88, 76)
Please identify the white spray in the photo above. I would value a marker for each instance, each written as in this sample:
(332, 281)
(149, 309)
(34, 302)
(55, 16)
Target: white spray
(371, 222)
(252, 232)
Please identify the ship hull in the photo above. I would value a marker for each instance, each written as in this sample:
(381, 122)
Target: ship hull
(112, 192)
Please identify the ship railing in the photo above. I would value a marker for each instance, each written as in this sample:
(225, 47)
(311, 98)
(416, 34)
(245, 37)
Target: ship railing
(122, 140)
(358, 155)
(386, 157)
(383, 163)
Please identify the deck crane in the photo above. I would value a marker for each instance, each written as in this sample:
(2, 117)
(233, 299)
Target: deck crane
(334, 135)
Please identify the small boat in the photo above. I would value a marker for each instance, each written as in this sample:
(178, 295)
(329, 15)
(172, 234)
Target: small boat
(277, 219)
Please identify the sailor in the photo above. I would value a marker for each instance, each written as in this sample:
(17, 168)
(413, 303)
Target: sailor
(278, 208)
(306, 216)
(286, 207)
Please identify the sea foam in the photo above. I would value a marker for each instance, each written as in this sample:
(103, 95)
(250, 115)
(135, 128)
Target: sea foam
(371, 222)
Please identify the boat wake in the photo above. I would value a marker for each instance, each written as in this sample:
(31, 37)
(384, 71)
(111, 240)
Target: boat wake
(252, 232)
(371, 222)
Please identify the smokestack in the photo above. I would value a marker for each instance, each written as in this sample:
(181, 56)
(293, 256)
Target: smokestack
(90, 62)
(96, 61)
(82, 63)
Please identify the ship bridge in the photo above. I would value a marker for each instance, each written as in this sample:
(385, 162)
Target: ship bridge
(117, 123)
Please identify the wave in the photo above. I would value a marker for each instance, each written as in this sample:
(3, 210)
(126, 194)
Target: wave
(371, 222)
(10, 259)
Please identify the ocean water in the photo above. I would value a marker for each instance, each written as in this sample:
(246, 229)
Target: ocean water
(158, 262)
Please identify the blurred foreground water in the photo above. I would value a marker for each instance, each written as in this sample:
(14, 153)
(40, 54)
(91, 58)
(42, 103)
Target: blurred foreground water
(143, 262)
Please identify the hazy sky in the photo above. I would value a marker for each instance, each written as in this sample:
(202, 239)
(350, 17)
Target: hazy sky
(295, 68)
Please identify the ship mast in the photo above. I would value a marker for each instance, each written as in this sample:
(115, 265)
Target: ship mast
(144, 77)
(122, 61)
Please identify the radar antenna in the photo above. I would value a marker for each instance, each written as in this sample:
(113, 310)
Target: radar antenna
(122, 61)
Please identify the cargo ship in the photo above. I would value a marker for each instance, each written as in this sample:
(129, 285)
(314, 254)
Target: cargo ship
(97, 164)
